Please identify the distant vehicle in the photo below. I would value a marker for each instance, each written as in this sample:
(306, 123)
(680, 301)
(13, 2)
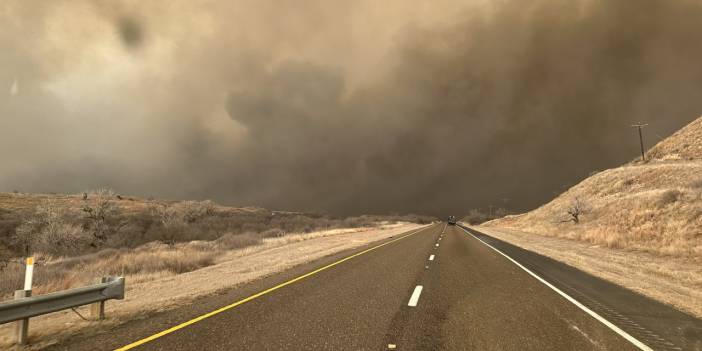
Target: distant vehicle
(452, 220)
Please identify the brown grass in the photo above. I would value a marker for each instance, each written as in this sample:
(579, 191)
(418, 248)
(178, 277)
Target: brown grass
(148, 261)
(655, 208)
(686, 144)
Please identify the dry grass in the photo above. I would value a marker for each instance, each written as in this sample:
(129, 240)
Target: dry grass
(133, 222)
(54, 274)
(686, 144)
(655, 208)
(148, 261)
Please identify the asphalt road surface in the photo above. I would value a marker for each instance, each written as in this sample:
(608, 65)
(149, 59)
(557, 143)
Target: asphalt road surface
(439, 288)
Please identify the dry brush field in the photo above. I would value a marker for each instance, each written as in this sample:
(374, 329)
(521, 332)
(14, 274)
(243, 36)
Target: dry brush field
(78, 238)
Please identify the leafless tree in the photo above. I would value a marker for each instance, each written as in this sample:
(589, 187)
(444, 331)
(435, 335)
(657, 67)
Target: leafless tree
(577, 208)
(101, 211)
(183, 212)
(48, 230)
(195, 210)
(169, 216)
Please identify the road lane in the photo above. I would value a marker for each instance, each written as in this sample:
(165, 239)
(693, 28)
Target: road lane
(340, 308)
(659, 326)
(474, 299)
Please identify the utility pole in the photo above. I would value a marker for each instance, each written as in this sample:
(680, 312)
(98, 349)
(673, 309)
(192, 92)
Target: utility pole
(640, 126)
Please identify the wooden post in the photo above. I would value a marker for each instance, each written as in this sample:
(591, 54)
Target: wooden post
(643, 152)
(22, 325)
(97, 310)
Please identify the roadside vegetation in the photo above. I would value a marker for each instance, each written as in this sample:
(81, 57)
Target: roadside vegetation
(77, 238)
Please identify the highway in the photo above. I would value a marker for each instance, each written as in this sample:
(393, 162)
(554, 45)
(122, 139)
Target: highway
(438, 288)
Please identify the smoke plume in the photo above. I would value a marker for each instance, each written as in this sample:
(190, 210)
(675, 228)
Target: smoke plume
(346, 107)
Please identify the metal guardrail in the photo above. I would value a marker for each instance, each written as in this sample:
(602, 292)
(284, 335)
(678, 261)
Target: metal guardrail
(34, 306)
(25, 306)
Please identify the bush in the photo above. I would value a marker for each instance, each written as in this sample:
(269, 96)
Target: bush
(101, 211)
(577, 208)
(48, 230)
(231, 241)
(669, 197)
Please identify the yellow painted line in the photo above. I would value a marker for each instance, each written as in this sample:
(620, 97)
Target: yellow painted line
(254, 296)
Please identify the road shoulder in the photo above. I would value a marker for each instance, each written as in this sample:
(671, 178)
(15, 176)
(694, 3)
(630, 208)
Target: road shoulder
(671, 280)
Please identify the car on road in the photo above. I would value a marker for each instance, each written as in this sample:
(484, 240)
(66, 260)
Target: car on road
(452, 220)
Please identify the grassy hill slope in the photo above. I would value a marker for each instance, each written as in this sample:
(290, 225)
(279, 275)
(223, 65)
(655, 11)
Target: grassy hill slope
(653, 206)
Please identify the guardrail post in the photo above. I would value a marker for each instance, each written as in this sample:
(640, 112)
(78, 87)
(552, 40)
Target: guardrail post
(97, 310)
(23, 324)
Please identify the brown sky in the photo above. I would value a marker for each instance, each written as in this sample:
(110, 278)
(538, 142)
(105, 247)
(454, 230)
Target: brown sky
(339, 106)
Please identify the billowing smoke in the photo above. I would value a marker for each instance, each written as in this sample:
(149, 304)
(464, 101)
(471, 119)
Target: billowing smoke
(345, 107)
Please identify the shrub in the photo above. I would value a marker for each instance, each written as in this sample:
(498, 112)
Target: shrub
(669, 197)
(577, 208)
(100, 210)
(231, 241)
(47, 230)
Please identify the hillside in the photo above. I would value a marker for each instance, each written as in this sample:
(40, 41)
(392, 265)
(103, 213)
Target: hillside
(640, 226)
(654, 206)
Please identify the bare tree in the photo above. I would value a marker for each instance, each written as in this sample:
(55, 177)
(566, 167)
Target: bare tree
(101, 212)
(48, 230)
(195, 210)
(169, 216)
(183, 212)
(577, 208)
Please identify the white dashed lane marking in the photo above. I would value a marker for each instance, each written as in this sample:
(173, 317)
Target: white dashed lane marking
(415, 296)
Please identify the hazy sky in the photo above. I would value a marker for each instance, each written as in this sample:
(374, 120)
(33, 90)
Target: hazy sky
(430, 106)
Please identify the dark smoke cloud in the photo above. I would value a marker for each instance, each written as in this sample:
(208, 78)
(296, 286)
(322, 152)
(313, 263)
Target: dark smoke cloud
(344, 108)
(131, 32)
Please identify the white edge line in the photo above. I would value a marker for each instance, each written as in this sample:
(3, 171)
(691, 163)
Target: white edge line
(431, 258)
(415, 296)
(575, 302)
